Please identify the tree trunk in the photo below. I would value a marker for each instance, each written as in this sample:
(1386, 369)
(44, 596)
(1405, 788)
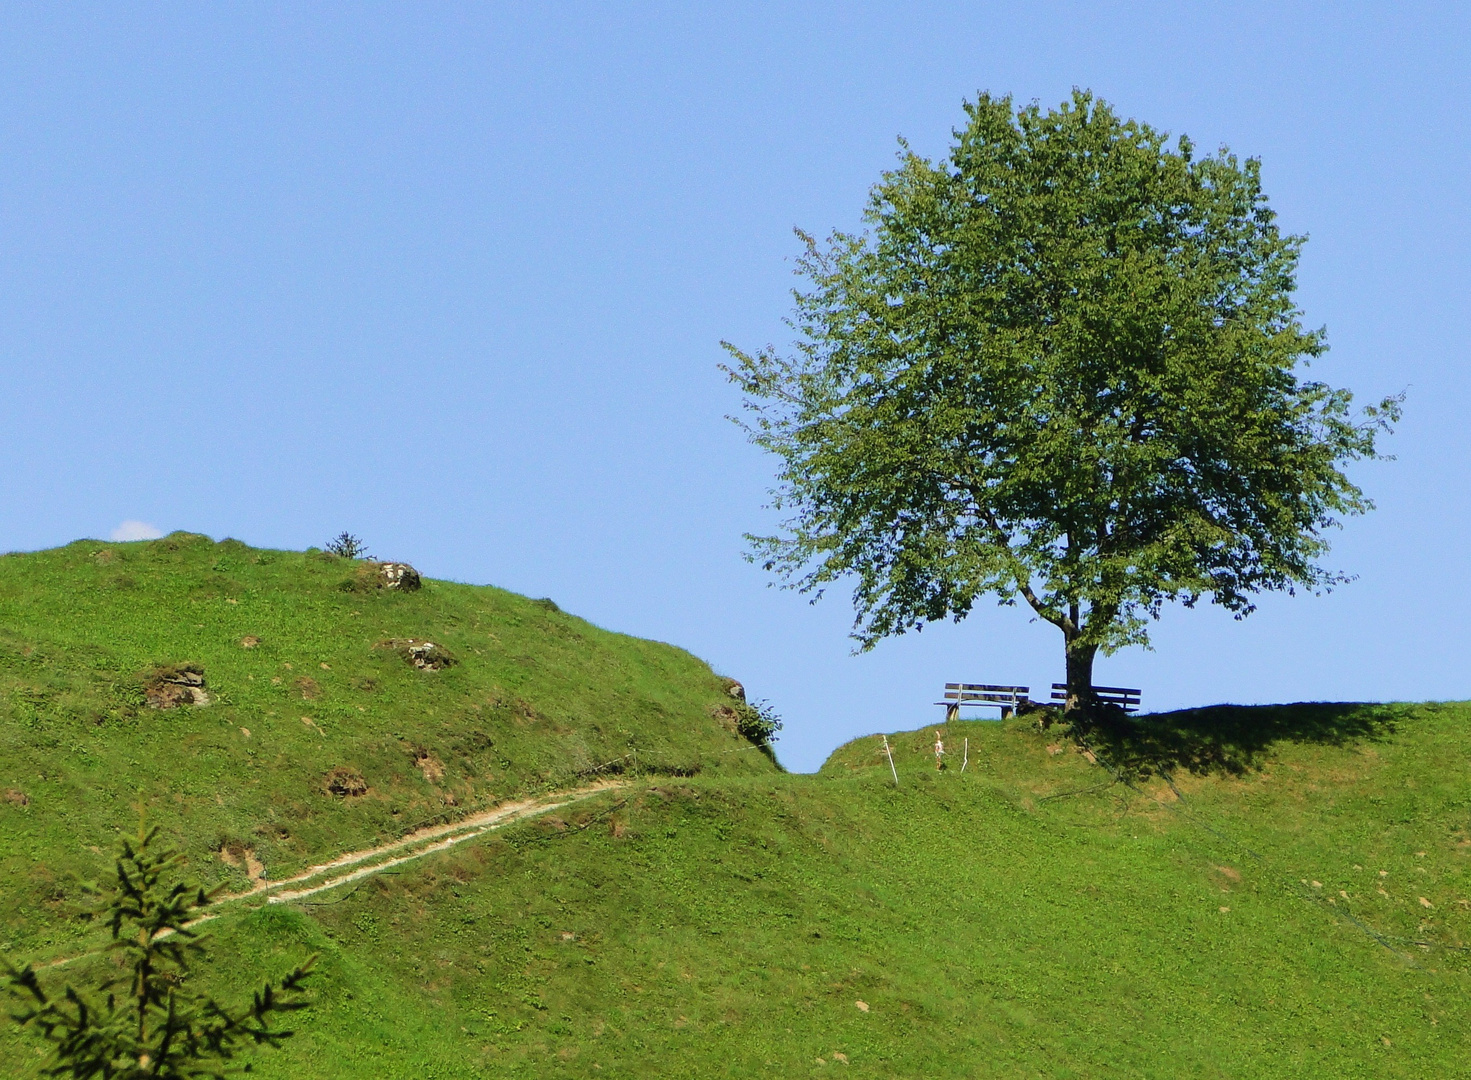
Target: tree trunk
(1080, 676)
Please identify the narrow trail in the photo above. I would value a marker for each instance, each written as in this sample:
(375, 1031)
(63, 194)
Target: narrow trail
(415, 845)
(407, 848)
(418, 844)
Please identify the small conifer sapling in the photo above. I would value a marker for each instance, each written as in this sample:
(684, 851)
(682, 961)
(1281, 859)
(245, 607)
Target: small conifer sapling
(145, 1021)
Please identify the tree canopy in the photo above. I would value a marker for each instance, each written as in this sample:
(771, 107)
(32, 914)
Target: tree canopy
(1066, 365)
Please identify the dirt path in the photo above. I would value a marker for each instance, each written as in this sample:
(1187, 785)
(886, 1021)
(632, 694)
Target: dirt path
(414, 845)
(418, 844)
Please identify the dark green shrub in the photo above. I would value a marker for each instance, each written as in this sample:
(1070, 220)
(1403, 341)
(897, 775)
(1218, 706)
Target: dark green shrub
(143, 1020)
(348, 546)
(757, 721)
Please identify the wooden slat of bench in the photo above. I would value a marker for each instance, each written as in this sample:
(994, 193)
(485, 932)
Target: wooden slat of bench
(1102, 689)
(1006, 697)
(1127, 699)
(985, 701)
(1117, 699)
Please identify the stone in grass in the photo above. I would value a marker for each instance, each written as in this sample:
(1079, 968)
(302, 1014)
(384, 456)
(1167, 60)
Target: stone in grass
(398, 575)
(395, 576)
(424, 655)
(173, 685)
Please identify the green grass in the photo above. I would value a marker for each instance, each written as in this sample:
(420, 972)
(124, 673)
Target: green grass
(1030, 917)
(539, 700)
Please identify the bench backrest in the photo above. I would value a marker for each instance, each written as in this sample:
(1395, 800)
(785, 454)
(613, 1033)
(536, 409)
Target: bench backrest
(985, 692)
(1122, 696)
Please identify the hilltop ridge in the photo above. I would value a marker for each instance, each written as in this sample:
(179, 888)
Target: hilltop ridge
(320, 732)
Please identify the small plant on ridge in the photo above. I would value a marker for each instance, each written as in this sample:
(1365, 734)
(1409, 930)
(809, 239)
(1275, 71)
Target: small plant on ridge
(757, 721)
(348, 546)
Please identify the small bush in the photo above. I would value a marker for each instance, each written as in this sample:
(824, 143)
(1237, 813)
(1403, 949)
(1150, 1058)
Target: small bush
(757, 721)
(348, 546)
(145, 1019)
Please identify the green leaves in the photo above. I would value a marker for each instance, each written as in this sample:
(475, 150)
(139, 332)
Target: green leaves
(146, 1022)
(1061, 365)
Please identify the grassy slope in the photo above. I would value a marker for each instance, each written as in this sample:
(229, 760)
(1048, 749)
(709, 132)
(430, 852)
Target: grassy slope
(538, 698)
(1028, 917)
(717, 927)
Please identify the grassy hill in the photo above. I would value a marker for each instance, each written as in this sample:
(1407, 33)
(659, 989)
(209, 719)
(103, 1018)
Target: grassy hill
(303, 693)
(1278, 892)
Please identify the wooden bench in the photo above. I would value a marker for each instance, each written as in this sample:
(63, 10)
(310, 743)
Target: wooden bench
(1124, 698)
(1006, 697)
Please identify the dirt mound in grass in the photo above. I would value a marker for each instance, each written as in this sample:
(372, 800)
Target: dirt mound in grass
(175, 685)
(346, 783)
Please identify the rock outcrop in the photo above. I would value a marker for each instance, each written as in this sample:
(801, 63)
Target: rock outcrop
(424, 655)
(175, 685)
(397, 575)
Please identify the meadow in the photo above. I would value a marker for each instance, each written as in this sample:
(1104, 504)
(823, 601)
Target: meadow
(1228, 892)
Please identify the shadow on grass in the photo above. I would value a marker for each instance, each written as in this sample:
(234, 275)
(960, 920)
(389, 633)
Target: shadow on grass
(1230, 739)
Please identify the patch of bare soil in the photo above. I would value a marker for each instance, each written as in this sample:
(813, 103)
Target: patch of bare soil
(429, 765)
(174, 685)
(17, 798)
(309, 687)
(345, 783)
(249, 641)
(725, 716)
(234, 853)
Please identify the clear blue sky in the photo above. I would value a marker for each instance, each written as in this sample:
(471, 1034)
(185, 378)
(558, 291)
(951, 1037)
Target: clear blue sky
(453, 277)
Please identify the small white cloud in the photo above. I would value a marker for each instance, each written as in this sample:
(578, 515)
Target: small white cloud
(136, 530)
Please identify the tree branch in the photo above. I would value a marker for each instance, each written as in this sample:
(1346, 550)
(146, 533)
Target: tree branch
(1023, 579)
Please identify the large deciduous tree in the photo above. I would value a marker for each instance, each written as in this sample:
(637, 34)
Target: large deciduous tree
(1063, 365)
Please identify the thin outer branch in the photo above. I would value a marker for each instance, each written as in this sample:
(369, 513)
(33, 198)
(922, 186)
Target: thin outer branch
(1023, 584)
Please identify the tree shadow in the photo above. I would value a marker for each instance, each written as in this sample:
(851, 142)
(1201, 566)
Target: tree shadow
(1228, 740)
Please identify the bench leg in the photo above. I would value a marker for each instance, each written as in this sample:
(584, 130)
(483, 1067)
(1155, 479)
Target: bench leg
(952, 713)
(1006, 711)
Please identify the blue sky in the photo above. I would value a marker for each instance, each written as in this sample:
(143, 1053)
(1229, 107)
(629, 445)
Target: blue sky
(453, 277)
